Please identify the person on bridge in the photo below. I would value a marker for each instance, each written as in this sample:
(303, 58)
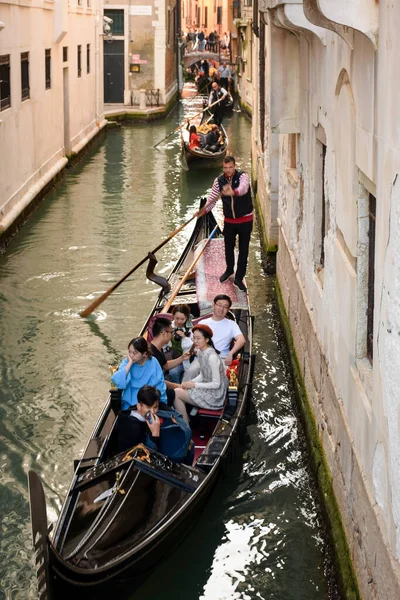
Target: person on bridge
(218, 94)
(233, 187)
(211, 42)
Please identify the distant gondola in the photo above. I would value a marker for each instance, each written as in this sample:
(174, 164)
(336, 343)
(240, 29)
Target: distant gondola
(200, 155)
(124, 512)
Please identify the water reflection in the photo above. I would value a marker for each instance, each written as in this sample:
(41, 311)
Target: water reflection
(259, 536)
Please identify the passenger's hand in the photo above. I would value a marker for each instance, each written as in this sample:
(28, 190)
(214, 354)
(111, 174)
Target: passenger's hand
(179, 332)
(228, 359)
(154, 426)
(186, 355)
(187, 385)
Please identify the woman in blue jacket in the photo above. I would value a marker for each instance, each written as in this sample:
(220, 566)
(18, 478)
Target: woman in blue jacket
(137, 370)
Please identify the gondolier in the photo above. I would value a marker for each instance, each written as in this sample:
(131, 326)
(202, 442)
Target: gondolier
(220, 94)
(233, 187)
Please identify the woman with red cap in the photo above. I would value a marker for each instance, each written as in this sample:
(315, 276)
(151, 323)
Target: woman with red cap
(208, 389)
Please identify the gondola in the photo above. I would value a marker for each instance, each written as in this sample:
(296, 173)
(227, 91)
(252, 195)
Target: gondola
(124, 512)
(200, 155)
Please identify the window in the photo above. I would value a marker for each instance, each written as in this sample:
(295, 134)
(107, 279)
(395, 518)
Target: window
(5, 87)
(88, 58)
(206, 17)
(47, 58)
(65, 53)
(169, 27)
(25, 75)
(219, 15)
(321, 204)
(262, 84)
(79, 61)
(117, 26)
(79, 2)
(255, 25)
(371, 275)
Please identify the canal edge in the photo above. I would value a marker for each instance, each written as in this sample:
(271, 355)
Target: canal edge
(347, 580)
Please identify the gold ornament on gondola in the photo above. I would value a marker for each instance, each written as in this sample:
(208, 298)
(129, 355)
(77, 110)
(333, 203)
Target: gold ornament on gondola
(113, 368)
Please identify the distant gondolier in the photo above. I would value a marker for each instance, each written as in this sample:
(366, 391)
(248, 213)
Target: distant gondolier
(218, 94)
(233, 187)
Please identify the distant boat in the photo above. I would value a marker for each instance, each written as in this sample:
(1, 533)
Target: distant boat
(124, 512)
(200, 155)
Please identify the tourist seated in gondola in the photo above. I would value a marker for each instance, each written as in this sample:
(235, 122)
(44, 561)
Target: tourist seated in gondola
(181, 340)
(194, 138)
(133, 427)
(212, 140)
(162, 332)
(155, 425)
(208, 389)
(137, 370)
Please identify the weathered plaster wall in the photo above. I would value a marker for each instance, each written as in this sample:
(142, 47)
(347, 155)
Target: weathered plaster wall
(36, 134)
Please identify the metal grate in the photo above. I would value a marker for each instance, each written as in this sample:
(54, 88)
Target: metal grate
(117, 26)
(152, 97)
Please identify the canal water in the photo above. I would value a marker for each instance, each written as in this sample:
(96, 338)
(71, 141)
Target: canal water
(261, 534)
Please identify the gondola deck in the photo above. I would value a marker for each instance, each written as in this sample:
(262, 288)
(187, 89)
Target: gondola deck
(123, 512)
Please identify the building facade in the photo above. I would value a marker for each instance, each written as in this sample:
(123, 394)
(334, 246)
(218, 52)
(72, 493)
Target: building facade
(51, 97)
(141, 53)
(326, 161)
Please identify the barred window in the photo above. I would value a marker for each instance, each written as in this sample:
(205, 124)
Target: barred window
(88, 58)
(25, 92)
(5, 86)
(79, 61)
(47, 59)
(117, 15)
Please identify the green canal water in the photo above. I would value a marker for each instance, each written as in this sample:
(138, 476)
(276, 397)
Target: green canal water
(261, 534)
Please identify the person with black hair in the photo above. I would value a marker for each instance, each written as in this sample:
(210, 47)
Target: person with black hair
(208, 389)
(162, 334)
(227, 336)
(136, 426)
(137, 370)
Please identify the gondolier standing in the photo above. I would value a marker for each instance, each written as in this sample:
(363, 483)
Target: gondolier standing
(233, 187)
(218, 94)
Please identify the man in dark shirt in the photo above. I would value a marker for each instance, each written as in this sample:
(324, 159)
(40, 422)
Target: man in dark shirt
(162, 333)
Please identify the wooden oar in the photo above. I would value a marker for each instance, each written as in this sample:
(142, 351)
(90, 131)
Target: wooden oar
(186, 275)
(87, 311)
(186, 122)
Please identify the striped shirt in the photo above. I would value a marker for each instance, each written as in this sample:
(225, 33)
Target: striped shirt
(244, 184)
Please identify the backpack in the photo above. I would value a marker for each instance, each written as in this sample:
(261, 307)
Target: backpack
(175, 435)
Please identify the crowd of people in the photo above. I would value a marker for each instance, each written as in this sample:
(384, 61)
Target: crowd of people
(197, 39)
(158, 379)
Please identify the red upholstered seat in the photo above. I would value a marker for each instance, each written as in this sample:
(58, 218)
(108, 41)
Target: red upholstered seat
(168, 316)
(205, 412)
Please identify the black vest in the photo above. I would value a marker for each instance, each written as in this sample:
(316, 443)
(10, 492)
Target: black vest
(216, 95)
(242, 205)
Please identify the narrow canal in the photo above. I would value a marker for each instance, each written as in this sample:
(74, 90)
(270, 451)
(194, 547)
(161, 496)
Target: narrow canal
(261, 534)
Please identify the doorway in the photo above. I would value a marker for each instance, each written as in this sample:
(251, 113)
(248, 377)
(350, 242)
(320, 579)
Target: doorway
(114, 72)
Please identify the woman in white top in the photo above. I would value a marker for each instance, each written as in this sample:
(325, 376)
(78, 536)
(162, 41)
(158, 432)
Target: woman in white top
(208, 389)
